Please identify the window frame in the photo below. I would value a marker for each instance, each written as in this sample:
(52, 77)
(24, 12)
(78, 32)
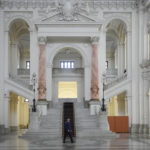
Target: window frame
(67, 64)
(27, 64)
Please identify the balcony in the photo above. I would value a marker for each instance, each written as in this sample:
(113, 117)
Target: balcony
(111, 72)
(115, 81)
(23, 82)
(68, 71)
(22, 71)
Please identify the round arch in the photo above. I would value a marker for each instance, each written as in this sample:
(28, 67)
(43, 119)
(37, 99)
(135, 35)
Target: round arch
(121, 18)
(13, 19)
(76, 48)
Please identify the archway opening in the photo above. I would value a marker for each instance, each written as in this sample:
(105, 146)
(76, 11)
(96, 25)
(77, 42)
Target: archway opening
(68, 75)
(116, 49)
(19, 49)
(118, 113)
(18, 112)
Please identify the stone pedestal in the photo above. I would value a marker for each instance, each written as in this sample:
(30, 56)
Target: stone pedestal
(34, 121)
(94, 107)
(103, 121)
(134, 128)
(42, 107)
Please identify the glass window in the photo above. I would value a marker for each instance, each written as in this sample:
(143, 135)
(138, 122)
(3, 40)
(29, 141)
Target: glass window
(106, 64)
(27, 64)
(67, 64)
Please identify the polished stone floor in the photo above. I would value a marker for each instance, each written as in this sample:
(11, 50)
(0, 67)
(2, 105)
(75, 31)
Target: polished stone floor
(14, 141)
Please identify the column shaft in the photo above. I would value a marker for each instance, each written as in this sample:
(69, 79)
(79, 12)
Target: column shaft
(42, 73)
(94, 71)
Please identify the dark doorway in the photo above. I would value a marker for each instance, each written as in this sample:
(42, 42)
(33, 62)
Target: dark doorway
(68, 112)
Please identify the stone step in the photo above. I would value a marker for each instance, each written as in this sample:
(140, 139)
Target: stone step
(95, 133)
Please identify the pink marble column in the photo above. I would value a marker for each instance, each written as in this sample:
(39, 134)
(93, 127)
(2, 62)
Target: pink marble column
(42, 69)
(94, 69)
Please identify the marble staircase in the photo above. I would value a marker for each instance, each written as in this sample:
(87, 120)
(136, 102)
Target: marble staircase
(85, 124)
(91, 125)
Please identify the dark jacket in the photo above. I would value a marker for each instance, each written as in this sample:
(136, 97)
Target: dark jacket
(67, 126)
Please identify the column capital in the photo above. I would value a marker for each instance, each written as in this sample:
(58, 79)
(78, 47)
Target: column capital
(42, 40)
(94, 39)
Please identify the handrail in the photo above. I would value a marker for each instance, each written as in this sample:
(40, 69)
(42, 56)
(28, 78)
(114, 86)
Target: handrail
(22, 82)
(22, 71)
(115, 81)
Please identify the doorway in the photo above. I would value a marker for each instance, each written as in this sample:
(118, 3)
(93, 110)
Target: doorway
(68, 112)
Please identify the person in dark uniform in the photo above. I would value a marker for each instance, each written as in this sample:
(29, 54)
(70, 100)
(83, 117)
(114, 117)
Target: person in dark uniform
(67, 130)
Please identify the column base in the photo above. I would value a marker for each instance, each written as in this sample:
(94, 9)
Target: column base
(145, 129)
(4, 130)
(42, 106)
(134, 128)
(94, 107)
(34, 121)
(141, 127)
(103, 121)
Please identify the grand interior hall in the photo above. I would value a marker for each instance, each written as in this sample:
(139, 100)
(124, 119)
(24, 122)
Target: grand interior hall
(86, 60)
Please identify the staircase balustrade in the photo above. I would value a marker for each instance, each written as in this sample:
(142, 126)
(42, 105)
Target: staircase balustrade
(115, 81)
(20, 81)
(22, 71)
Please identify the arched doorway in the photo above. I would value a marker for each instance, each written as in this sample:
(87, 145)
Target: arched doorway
(19, 50)
(116, 49)
(68, 75)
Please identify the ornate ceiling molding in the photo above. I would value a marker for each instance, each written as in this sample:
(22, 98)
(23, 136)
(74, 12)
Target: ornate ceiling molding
(88, 4)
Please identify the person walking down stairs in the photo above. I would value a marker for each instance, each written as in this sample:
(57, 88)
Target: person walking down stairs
(68, 130)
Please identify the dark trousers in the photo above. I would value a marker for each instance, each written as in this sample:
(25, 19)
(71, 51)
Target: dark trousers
(68, 134)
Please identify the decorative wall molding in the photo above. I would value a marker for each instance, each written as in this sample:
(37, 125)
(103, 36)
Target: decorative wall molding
(125, 17)
(88, 5)
(95, 39)
(55, 50)
(10, 16)
(42, 40)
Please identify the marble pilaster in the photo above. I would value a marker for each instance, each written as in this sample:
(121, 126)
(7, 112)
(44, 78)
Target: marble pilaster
(42, 69)
(94, 69)
(94, 103)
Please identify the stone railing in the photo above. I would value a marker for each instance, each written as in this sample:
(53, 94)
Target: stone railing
(70, 70)
(20, 81)
(145, 64)
(111, 72)
(22, 71)
(115, 81)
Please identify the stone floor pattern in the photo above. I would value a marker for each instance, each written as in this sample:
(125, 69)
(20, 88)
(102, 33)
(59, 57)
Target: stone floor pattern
(14, 141)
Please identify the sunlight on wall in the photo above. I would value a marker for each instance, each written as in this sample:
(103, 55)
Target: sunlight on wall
(18, 112)
(117, 105)
(67, 90)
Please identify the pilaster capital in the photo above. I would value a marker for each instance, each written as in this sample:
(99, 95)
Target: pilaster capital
(42, 40)
(94, 39)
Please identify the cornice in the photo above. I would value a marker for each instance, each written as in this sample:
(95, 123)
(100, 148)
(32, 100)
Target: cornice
(92, 5)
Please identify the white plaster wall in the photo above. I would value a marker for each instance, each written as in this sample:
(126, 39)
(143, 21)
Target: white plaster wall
(1, 68)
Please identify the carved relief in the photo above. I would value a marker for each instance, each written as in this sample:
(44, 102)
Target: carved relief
(95, 92)
(68, 10)
(42, 91)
